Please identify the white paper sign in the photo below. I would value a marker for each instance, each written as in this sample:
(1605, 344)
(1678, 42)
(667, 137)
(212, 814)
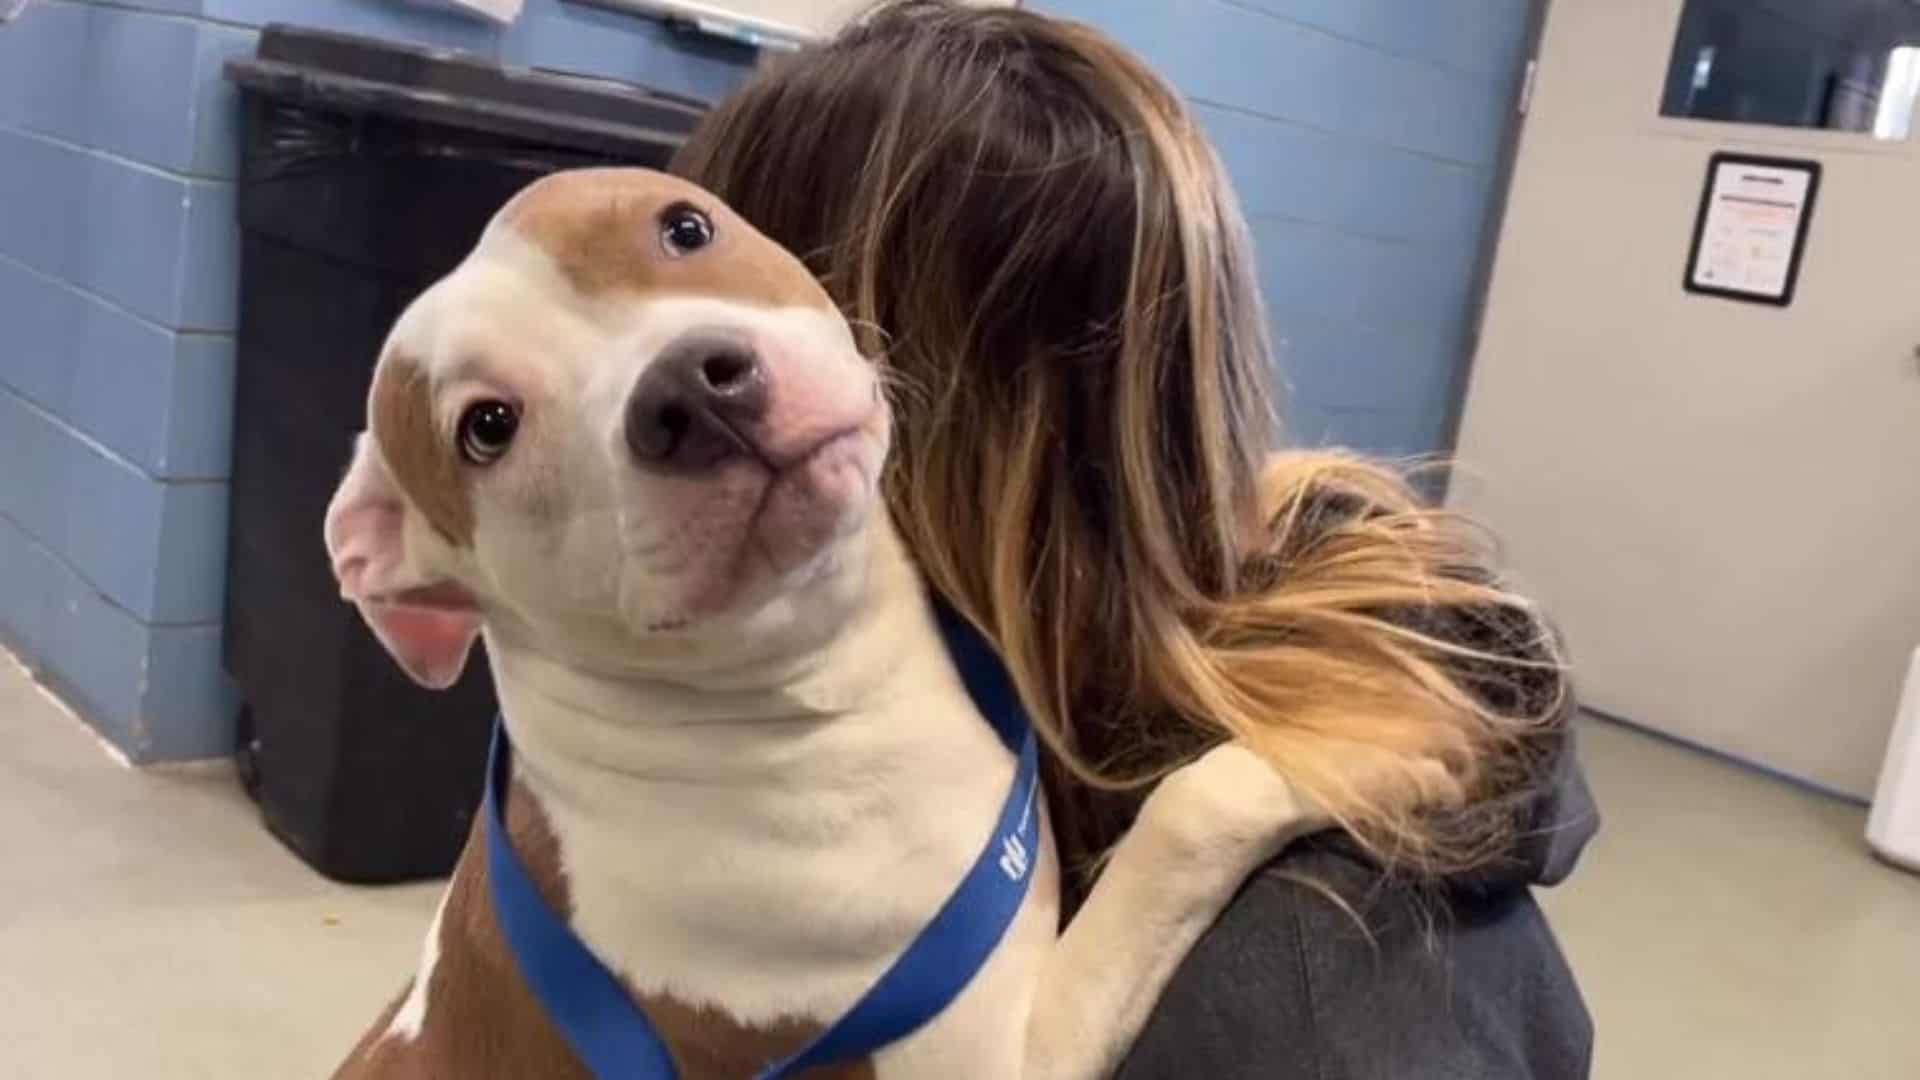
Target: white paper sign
(1753, 222)
(777, 24)
(499, 11)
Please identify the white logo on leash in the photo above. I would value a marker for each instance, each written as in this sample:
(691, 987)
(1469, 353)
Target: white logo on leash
(1013, 858)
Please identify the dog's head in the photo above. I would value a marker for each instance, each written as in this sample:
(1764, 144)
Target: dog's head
(628, 427)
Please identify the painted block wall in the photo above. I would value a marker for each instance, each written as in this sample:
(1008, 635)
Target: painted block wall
(1364, 137)
(118, 141)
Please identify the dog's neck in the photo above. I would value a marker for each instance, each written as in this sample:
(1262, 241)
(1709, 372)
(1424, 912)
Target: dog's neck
(855, 769)
(732, 726)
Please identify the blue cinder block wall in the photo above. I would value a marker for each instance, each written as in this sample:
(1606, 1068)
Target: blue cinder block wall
(1363, 135)
(1365, 138)
(118, 139)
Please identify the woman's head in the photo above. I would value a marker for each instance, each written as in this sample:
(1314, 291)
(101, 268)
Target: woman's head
(1037, 240)
(1042, 243)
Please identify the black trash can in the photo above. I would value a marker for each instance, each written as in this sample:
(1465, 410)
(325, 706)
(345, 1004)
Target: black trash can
(369, 171)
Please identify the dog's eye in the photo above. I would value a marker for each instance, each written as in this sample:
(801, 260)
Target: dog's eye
(486, 430)
(684, 229)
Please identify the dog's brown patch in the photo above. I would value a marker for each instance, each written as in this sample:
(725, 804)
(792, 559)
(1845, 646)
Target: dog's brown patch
(421, 462)
(602, 228)
(483, 1021)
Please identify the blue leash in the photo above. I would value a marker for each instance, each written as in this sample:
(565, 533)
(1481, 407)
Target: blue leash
(617, 1041)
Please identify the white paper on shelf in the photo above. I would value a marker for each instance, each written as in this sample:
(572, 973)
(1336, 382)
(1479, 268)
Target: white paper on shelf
(775, 24)
(500, 11)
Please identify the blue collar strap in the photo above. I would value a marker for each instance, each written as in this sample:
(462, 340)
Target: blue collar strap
(612, 1035)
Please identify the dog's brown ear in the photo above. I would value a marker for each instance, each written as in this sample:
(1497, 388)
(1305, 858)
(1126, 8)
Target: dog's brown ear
(426, 622)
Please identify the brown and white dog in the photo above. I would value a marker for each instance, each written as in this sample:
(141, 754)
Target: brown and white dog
(631, 441)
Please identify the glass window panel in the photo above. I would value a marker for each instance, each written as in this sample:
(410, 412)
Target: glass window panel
(1840, 65)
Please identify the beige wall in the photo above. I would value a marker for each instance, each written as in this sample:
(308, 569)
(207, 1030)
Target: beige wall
(1716, 499)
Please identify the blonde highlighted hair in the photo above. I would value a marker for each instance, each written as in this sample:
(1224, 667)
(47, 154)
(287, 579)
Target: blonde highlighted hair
(1032, 233)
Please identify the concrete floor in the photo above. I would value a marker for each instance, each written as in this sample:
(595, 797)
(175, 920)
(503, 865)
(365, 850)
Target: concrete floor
(1723, 925)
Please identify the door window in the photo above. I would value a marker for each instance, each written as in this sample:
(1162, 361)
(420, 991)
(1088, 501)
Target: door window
(1839, 65)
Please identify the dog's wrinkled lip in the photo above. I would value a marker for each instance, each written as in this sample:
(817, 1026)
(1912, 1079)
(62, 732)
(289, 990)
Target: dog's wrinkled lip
(751, 541)
(798, 464)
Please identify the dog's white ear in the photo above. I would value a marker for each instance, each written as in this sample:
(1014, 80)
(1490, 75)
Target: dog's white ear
(427, 623)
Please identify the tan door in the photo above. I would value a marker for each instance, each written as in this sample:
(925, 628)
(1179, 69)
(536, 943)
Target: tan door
(1720, 501)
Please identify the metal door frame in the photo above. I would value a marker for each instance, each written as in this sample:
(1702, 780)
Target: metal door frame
(1502, 189)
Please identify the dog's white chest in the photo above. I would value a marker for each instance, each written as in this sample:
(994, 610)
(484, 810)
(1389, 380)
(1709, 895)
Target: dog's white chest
(783, 900)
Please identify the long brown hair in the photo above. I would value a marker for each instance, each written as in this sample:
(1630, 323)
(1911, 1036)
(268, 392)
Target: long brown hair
(1030, 230)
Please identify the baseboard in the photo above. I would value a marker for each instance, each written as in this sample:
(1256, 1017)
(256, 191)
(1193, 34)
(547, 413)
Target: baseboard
(1735, 760)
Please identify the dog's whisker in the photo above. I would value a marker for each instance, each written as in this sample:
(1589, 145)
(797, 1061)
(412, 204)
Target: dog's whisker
(902, 387)
(871, 327)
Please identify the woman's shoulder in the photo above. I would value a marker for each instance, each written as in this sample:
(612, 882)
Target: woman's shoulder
(1320, 967)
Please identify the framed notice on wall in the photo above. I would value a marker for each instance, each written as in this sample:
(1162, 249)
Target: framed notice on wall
(1752, 228)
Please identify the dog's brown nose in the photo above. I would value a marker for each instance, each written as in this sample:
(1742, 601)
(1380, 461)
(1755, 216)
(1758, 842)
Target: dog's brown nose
(698, 404)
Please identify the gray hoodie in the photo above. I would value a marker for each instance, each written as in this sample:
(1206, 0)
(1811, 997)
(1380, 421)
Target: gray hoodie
(1460, 980)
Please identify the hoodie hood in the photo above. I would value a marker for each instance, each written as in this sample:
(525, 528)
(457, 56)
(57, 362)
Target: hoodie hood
(1565, 819)
(1555, 824)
